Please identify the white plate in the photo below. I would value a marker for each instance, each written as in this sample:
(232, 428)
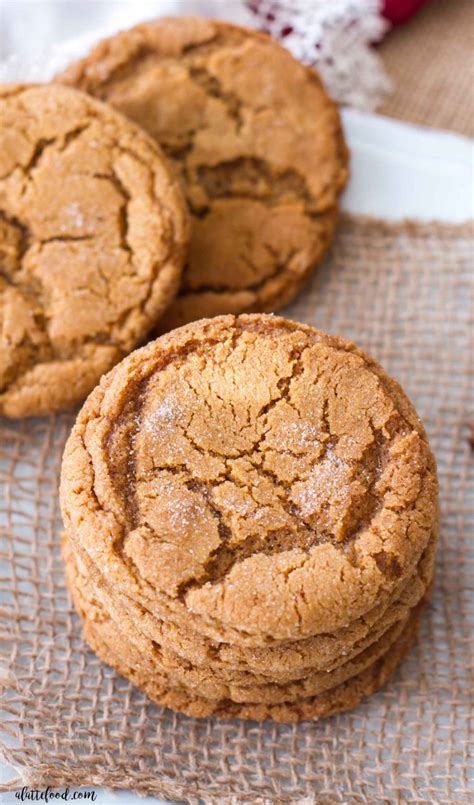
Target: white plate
(405, 171)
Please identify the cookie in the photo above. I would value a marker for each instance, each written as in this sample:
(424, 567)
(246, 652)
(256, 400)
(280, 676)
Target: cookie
(257, 145)
(103, 638)
(93, 235)
(282, 663)
(254, 477)
(251, 517)
(161, 663)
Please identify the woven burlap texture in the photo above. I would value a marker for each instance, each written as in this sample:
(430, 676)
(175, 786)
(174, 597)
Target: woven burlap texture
(403, 293)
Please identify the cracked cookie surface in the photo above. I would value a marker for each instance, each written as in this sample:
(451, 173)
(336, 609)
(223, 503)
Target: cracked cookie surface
(281, 663)
(112, 647)
(257, 145)
(232, 683)
(93, 233)
(253, 476)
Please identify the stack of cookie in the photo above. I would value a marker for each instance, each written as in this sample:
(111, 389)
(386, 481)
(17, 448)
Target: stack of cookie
(250, 512)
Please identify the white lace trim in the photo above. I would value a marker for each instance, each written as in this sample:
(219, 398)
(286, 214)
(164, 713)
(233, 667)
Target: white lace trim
(337, 37)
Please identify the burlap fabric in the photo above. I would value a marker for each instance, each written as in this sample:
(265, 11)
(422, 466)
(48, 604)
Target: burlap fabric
(431, 63)
(403, 292)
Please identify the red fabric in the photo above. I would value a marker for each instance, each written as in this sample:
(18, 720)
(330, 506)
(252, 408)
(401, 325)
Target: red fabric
(398, 11)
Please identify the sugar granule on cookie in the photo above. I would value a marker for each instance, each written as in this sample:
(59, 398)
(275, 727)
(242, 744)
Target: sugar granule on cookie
(251, 517)
(256, 142)
(93, 235)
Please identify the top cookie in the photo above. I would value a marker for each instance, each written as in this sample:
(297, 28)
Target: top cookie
(93, 234)
(257, 144)
(252, 476)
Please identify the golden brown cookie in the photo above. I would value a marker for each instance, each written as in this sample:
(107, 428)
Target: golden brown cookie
(282, 663)
(251, 515)
(93, 234)
(162, 663)
(251, 475)
(256, 142)
(104, 638)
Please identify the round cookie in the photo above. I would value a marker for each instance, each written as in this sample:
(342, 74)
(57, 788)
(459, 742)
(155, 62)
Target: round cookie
(282, 663)
(93, 235)
(159, 662)
(256, 142)
(103, 638)
(253, 477)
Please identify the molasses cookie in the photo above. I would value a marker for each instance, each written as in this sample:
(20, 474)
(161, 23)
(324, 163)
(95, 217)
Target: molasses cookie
(93, 234)
(112, 647)
(164, 663)
(256, 142)
(252, 486)
(293, 467)
(283, 662)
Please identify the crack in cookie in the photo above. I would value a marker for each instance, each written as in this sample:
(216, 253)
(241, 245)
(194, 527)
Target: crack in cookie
(255, 141)
(93, 234)
(253, 474)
